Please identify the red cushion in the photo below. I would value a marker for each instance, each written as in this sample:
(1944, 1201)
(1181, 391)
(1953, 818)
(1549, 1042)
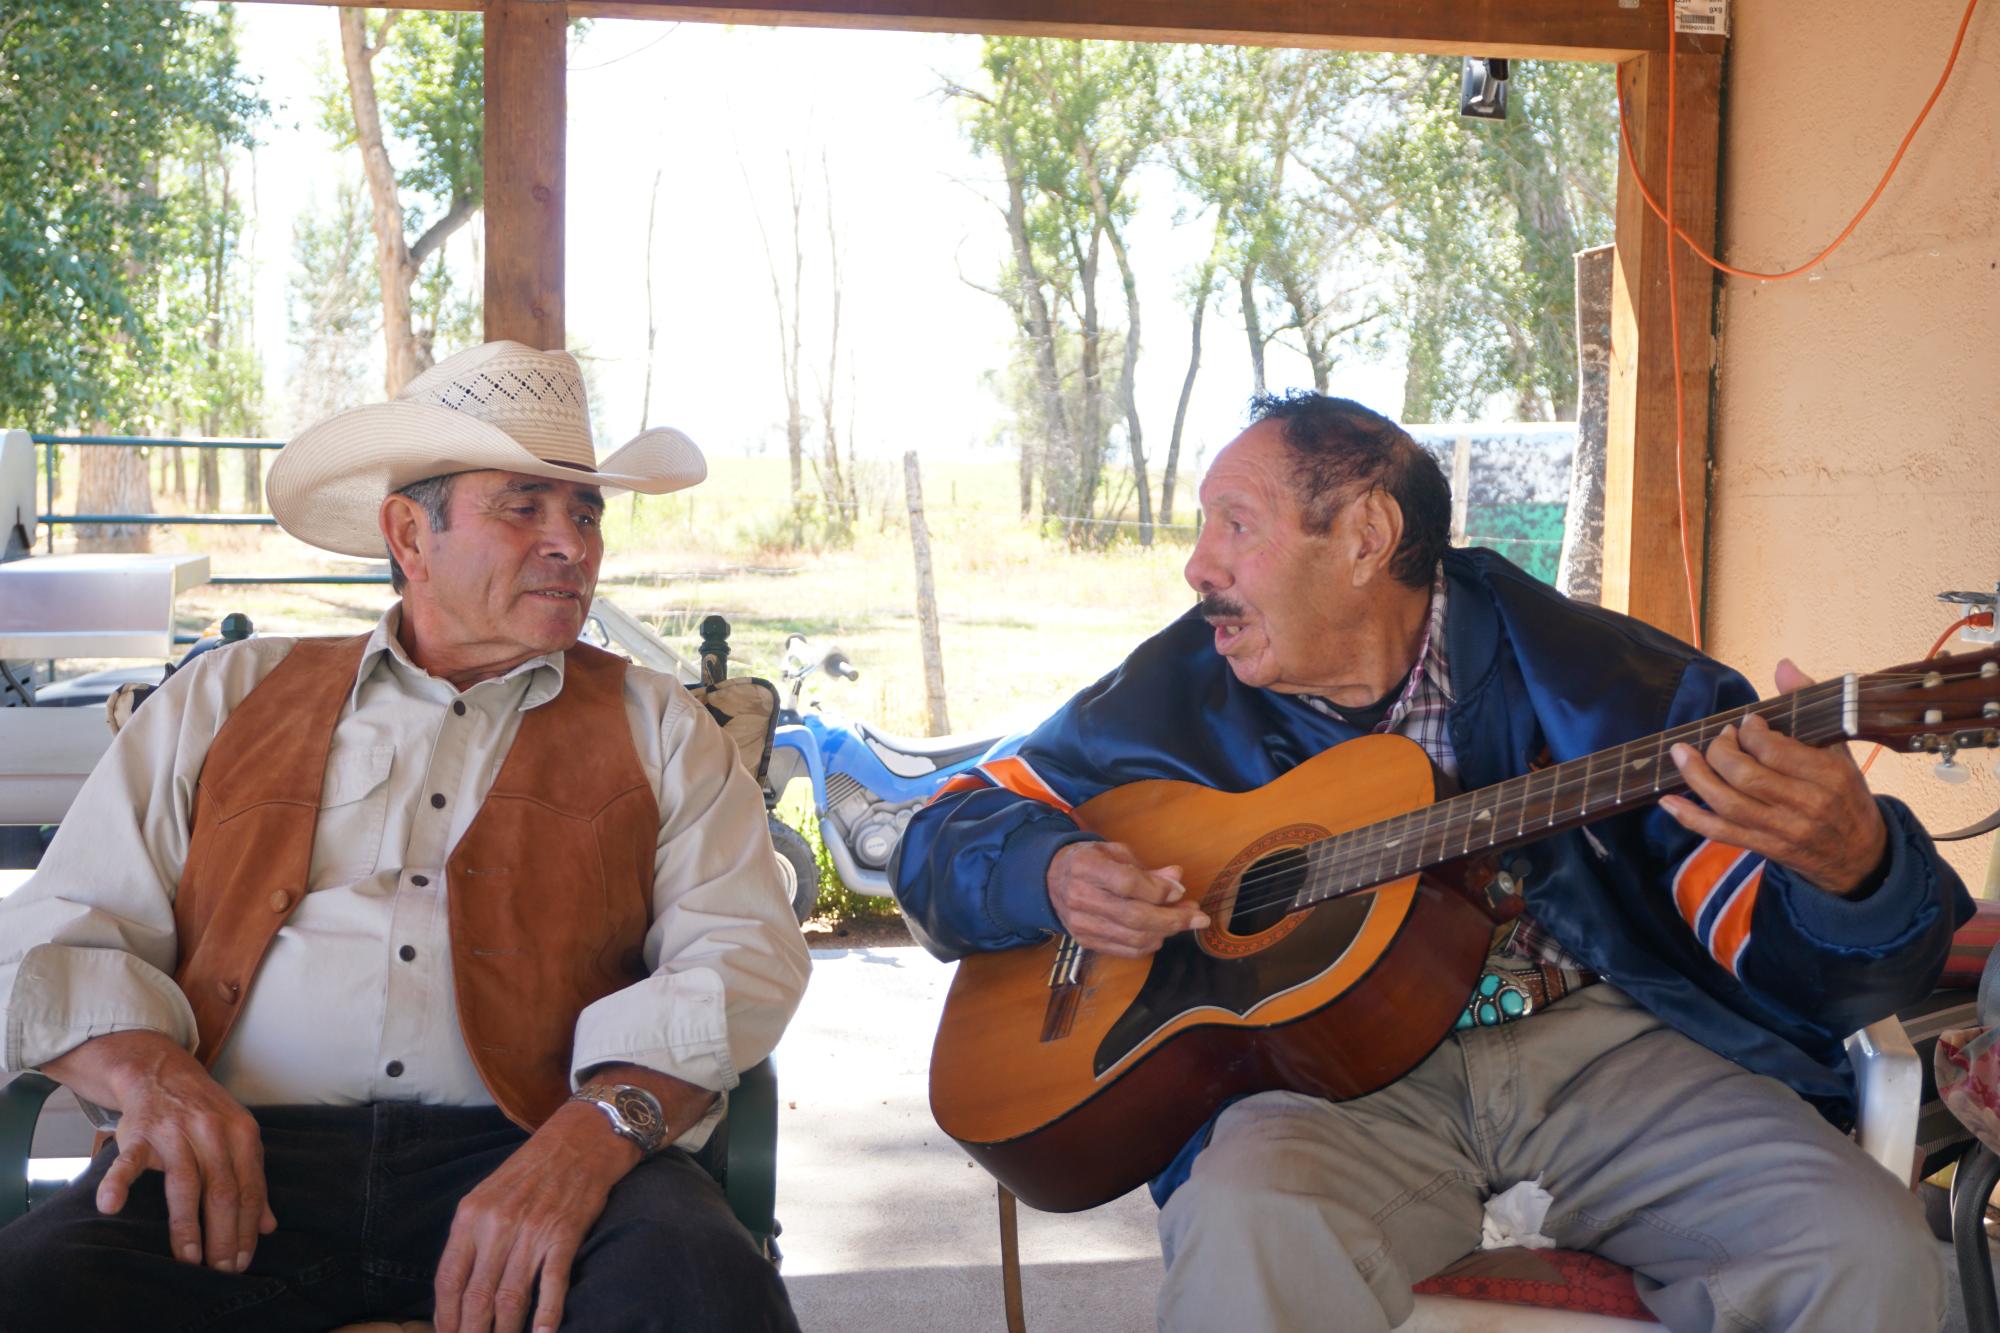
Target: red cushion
(1548, 1279)
(1969, 947)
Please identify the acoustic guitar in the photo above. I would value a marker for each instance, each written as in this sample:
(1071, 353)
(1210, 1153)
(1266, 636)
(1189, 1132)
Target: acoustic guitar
(1349, 922)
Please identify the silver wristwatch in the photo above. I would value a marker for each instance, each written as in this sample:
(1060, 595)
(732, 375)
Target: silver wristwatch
(634, 1113)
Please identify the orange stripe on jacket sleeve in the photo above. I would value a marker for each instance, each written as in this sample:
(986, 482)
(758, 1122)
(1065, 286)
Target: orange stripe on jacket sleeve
(963, 782)
(1732, 930)
(1016, 775)
(1704, 868)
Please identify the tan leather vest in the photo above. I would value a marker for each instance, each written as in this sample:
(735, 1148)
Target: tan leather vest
(549, 891)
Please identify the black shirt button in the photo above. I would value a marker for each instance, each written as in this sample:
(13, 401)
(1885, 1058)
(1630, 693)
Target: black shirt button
(406, 953)
(458, 707)
(394, 1069)
(437, 800)
(420, 880)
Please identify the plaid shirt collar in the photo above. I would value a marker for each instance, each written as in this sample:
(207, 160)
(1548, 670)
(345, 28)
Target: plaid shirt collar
(1420, 711)
(1429, 686)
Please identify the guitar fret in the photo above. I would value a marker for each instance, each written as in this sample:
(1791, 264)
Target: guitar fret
(1577, 791)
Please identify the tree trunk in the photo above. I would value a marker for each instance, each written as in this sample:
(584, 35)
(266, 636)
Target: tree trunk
(1027, 475)
(1247, 285)
(789, 340)
(927, 614)
(835, 487)
(208, 482)
(1580, 568)
(652, 324)
(1181, 408)
(253, 480)
(1090, 443)
(1127, 390)
(113, 481)
(405, 354)
(1058, 449)
(795, 424)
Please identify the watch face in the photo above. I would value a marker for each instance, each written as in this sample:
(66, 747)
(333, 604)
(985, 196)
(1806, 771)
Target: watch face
(640, 1110)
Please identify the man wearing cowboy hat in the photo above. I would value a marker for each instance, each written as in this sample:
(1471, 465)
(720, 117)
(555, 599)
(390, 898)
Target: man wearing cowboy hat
(410, 966)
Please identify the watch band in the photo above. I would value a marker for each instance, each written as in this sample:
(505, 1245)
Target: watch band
(634, 1113)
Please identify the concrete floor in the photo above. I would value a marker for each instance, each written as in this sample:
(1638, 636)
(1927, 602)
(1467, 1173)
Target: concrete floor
(888, 1225)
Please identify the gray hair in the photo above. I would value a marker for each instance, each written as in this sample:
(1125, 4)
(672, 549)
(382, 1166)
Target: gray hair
(433, 496)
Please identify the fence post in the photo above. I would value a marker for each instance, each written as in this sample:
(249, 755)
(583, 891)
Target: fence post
(927, 617)
(1461, 486)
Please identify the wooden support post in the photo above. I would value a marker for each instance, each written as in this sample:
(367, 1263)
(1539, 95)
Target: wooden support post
(927, 615)
(1643, 570)
(526, 108)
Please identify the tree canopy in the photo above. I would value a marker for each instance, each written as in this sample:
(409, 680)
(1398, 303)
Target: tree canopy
(97, 104)
(1352, 211)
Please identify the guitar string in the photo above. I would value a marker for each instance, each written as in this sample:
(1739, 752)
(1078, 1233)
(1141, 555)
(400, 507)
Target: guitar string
(1353, 851)
(1375, 862)
(1805, 705)
(1515, 794)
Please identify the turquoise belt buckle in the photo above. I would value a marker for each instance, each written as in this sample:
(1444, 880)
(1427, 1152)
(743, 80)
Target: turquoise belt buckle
(1495, 1000)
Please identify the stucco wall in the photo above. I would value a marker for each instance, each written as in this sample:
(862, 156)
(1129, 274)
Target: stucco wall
(1857, 442)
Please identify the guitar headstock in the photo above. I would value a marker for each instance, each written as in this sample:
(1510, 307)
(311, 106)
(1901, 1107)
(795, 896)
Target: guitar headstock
(1936, 706)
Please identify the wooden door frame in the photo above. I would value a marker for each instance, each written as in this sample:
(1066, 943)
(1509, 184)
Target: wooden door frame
(1643, 572)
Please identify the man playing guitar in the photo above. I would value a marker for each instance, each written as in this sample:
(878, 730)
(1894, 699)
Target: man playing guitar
(1655, 1040)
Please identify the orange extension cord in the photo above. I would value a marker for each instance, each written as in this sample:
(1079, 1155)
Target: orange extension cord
(1665, 214)
(1981, 619)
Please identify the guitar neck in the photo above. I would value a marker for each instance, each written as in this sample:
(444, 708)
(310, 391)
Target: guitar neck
(1551, 800)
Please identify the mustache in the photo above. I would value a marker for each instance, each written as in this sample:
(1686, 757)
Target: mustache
(1216, 606)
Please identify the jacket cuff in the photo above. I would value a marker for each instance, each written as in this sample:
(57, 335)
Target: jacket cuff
(1882, 920)
(1017, 893)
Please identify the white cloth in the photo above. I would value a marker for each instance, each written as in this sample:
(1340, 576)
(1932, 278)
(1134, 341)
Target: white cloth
(87, 946)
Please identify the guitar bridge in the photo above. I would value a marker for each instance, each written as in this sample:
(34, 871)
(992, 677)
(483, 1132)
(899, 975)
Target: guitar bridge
(1065, 990)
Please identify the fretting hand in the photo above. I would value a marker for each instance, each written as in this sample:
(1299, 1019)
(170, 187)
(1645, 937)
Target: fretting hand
(1809, 809)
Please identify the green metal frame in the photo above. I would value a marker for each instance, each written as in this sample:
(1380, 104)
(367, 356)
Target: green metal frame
(748, 1173)
(20, 1105)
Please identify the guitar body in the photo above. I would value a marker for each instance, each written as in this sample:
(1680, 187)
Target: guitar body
(1073, 1078)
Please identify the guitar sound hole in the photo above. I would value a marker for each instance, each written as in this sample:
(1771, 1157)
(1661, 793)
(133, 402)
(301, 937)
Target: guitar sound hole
(1265, 892)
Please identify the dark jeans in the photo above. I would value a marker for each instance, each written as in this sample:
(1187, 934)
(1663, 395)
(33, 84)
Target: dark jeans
(364, 1198)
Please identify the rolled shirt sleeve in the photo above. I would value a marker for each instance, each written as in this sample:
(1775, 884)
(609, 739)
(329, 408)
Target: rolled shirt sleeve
(87, 945)
(726, 960)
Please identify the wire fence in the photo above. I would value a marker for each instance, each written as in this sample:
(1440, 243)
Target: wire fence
(50, 520)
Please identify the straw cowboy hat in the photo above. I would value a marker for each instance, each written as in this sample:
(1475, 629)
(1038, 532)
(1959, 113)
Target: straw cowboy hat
(499, 406)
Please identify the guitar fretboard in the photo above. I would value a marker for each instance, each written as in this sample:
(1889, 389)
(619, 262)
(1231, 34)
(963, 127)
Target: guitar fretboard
(1553, 799)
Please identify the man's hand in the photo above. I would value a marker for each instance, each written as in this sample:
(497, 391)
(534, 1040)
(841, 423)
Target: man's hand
(1807, 808)
(520, 1228)
(1109, 902)
(177, 1120)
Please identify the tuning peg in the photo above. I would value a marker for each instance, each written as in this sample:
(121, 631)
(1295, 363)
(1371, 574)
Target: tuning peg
(1951, 771)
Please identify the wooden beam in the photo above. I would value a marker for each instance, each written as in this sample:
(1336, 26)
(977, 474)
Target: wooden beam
(1643, 565)
(526, 116)
(1524, 29)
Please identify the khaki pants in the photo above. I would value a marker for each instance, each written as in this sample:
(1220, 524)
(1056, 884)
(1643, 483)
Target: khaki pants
(1736, 1203)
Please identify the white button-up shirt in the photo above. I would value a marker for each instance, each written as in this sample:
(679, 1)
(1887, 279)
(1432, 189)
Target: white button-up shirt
(354, 1001)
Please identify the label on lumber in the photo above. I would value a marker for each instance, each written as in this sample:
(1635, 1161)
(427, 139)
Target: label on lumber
(1708, 17)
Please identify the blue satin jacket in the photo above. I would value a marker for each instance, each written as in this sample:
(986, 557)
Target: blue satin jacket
(1736, 953)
